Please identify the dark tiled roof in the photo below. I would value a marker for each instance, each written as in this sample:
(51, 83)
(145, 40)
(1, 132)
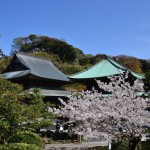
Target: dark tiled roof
(38, 67)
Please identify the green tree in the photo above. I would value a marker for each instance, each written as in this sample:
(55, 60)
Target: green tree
(98, 58)
(130, 62)
(34, 43)
(18, 110)
(87, 59)
(147, 81)
(4, 61)
(145, 65)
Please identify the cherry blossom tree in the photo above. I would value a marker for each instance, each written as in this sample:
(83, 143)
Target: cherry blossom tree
(109, 115)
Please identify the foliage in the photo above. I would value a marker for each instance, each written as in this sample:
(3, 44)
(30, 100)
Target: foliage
(65, 67)
(19, 146)
(79, 54)
(28, 137)
(11, 109)
(45, 55)
(4, 61)
(19, 110)
(145, 65)
(121, 112)
(74, 87)
(131, 63)
(87, 59)
(147, 81)
(68, 58)
(70, 68)
(144, 145)
(122, 144)
(98, 58)
(34, 43)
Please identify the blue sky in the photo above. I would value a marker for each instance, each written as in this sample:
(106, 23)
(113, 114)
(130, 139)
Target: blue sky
(112, 27)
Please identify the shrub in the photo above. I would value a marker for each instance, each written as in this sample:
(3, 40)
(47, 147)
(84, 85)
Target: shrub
(19, 146)
(28, 138)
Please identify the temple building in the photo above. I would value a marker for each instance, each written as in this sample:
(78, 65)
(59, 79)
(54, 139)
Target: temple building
(100, 71)
(34, 72)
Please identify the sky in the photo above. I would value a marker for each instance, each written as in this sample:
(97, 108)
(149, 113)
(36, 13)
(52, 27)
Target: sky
(112, 27)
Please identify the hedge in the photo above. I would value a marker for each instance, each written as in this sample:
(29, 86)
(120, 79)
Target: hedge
(19, 146)
(28, 138)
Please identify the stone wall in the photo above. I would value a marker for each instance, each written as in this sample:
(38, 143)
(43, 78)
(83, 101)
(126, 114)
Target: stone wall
(78, 146)
(69, 148)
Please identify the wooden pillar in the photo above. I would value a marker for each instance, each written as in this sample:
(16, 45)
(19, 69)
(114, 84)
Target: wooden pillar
(79, 139)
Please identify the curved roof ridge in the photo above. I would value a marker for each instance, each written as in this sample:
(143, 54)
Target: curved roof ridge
(132, 72)
(30, 55)
(41, 68)
(103, 68)
(116, 64)
(138, 75)
(15, 74)
(87, 68)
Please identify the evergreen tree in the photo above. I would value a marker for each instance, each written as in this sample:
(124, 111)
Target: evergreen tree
(19, 110)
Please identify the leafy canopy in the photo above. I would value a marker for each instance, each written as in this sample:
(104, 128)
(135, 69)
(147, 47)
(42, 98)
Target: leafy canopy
(34, 43)
(19, 110)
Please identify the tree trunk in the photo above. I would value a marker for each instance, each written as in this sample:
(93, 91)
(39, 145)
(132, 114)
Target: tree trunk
(134, 142)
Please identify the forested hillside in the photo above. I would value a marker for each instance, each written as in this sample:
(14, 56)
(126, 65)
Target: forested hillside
(66, 57)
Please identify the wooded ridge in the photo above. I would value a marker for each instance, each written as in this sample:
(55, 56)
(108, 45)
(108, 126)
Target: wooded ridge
(66, 57)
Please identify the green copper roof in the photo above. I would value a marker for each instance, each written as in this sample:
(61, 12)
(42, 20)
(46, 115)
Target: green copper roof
(104, 68)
